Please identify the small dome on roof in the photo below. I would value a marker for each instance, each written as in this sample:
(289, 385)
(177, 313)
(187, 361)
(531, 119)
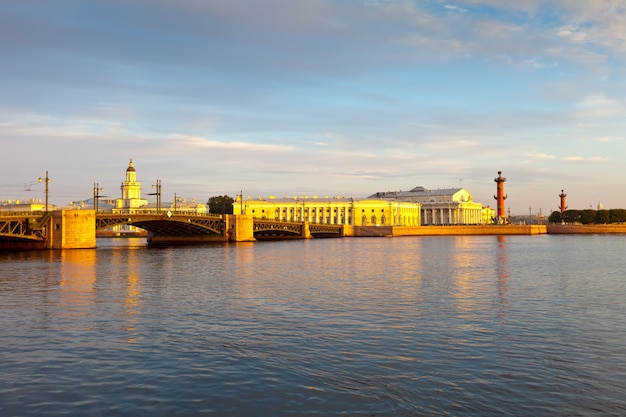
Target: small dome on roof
(130, 168)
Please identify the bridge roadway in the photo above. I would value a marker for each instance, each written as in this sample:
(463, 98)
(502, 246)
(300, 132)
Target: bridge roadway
(170, 226)
(77, 228)
(165, 223)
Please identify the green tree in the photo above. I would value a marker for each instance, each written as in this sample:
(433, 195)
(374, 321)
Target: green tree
(618, 215)
(555, 217)
(588, 216)
(603, 216)
(571, 216)
(221, 204)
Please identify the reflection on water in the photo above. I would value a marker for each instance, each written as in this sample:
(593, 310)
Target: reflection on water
(502, 271)
(482, 326)
(76, 283)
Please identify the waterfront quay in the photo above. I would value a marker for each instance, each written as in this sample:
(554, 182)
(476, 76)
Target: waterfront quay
(78, 229)
(73, 229)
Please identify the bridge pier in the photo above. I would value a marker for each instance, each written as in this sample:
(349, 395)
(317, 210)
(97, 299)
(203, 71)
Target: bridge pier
(240, 228)
(306, 231)
(71, 229)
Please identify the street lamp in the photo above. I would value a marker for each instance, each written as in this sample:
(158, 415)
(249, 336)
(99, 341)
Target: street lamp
(47, 180)
(176, 200)
(158, 194)
(96, 195)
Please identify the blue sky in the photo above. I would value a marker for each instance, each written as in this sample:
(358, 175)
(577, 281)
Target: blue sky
(290, 97)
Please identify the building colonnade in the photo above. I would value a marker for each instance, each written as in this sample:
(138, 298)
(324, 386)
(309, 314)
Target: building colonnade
(452, 215)
(337, 210)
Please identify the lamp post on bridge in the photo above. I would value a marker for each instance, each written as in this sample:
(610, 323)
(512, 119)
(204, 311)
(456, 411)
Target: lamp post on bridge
(157, 186)
(96, 196)
(47, 180)
(176, 200)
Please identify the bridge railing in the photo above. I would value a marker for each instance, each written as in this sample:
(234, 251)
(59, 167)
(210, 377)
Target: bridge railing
(161, 212)
(267, 219)
(22, 213)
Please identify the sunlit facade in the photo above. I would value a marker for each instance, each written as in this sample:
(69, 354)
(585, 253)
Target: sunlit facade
(131, 200)
(331, 210)
(448, 206)
(22, 205)
(131, 192)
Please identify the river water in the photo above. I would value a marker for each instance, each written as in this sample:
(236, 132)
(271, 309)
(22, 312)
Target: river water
(415, 326)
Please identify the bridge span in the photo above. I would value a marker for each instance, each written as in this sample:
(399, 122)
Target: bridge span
(193, 227)
(69, 229)
(66, 229)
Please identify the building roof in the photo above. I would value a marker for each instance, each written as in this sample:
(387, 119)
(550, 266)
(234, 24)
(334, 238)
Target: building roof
(416, 192)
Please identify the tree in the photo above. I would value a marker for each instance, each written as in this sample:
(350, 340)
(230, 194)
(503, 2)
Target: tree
(618, 215)
(571, 216)
(603, 216)
(221, 204)
(588, 216)
(555, 217)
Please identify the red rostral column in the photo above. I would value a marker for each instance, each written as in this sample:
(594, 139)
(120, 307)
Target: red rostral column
(500, 198)
(563, 205)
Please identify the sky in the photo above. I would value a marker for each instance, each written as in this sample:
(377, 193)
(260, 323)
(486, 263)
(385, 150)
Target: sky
(315, 97)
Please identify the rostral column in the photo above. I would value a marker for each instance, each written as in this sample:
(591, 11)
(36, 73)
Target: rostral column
(500, 197)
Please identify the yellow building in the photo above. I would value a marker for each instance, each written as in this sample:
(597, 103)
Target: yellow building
(29, 205)
(331, 210)
(448, 206)
(131, 192)
(131, 201)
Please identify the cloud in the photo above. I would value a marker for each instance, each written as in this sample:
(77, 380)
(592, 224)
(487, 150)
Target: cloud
(455, 8)
(609, 139)
(541, 156)
(203, 143)
(578, 159)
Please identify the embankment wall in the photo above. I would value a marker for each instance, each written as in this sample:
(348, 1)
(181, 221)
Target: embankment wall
(587, 229)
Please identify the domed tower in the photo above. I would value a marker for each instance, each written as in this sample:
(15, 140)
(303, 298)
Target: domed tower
(501, 216)
(131, 191)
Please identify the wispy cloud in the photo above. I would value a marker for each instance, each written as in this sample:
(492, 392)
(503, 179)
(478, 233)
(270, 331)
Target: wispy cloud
(541, 156)
(592, 159)
(609, 139)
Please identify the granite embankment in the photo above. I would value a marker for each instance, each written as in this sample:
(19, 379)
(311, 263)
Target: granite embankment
(395, 231)
(542, 229)
(589, 229)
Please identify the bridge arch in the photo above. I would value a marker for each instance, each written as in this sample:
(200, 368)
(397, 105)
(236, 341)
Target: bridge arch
(166, 224)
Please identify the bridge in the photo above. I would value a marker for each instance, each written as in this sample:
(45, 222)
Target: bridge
(77, 228)
(23, 229)
(276, 229)
(166, 223)
(189, 226)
